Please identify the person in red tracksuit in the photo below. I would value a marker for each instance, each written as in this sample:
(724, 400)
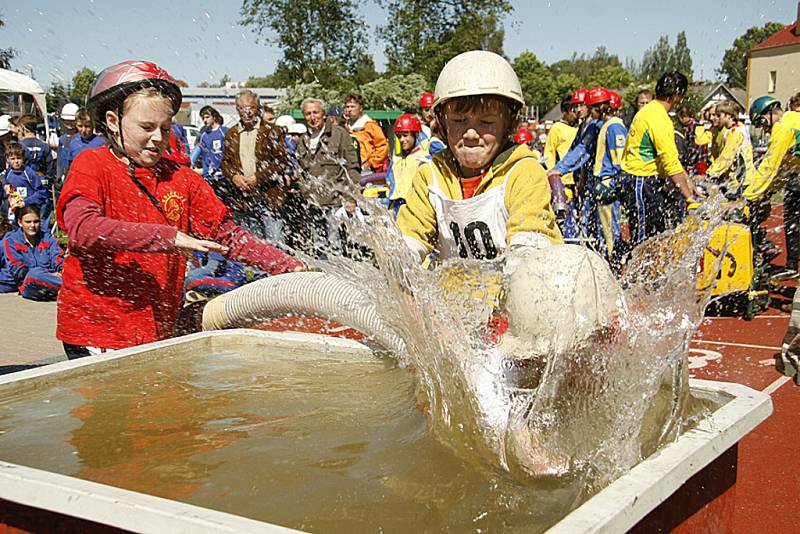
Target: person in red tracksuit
(132, 217)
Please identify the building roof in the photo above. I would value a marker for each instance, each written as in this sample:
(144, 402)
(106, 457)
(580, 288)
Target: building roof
(785, 37)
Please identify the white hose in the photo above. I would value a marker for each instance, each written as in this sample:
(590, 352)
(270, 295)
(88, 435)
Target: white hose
(307, 293)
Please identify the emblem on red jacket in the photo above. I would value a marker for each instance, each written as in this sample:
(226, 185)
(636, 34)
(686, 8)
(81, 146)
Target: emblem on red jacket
(173, 206)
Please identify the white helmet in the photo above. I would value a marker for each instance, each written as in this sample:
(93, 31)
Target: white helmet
(284, 121)
(297, 128)
(5, 125)
(477, 72)
(68, 111)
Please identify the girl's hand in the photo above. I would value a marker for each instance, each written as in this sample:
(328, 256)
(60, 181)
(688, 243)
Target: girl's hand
(186, 245)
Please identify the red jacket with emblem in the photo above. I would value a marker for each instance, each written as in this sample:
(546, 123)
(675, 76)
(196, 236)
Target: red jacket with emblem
(123, 280)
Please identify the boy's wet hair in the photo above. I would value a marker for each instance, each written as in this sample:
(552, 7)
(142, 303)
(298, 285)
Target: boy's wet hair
(474, 103)
(671, 83)
(15, 149)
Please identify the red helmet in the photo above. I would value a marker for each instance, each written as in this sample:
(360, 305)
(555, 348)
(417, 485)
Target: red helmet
(426, 100)
(523, 136)
(615, 100)
(579, 96)
(597, 95)
(116, 82)
(407, 123)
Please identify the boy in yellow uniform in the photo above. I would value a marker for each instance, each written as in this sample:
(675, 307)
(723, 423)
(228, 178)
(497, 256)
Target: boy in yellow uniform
(658, 184)
(408, 157)
(559, 140)
(736, 155)
(781, 162)
(483, 194)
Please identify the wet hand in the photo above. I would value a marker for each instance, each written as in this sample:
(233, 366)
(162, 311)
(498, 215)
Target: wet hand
(186, 245)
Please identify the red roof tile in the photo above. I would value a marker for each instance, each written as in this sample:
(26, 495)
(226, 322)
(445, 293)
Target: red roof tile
(784, 37)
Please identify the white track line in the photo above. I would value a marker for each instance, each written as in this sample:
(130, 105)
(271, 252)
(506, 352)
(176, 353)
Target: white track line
(772, 388)
(727, 344)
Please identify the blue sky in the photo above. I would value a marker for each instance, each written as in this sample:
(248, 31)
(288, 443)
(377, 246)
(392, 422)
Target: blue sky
(200, 40)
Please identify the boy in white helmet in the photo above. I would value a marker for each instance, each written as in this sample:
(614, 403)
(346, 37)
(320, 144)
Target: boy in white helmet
(484, 193)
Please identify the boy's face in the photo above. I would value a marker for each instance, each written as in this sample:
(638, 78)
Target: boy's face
(476, 137)
(353, 110)
(407, 140)
(427, 115)
(725, 120)
(84, 129)
(16, 162)
(208, 120)
(68, 125)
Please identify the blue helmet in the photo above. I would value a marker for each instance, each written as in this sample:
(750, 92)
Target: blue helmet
(762, 105)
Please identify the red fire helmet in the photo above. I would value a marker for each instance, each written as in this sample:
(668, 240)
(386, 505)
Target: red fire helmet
(615, 100)
(579, 96)
(426, 100)
(597, 95)
(407, 123)
(523, 136)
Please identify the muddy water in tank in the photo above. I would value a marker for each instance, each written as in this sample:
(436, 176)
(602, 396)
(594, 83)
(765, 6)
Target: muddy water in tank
(319, 443)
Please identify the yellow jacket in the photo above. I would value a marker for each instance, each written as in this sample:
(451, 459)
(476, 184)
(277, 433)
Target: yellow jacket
(737, 143)
(781, 160)
(403, 170)
(702, 137)
(527, 197)
(373, 144)
(559, 141)
(650, 149)
(717, 142)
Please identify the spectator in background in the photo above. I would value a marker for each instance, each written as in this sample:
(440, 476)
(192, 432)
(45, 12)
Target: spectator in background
(254, 159)
(37, 153)
(68, 123)
(373, 144)
(642, 98)
(210, 147)
(267, 114)
(328, 158)
(31, 259)
(24, 187)
(86, 137)
(428, 140)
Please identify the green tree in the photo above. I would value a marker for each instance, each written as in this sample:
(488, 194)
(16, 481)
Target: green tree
(611, 76)
(400, 91)
(734, 61)
(56, 96)
(421, 37)
(537, 80)
(321, 40)
(682, 57)
(260, 81)
(296, 93)
(657, 60)
(6, 54)
(81, 83)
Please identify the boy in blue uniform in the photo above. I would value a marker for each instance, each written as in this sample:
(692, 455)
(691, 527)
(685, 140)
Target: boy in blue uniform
(86, 138)
(37, 152)
(31, 259)
(68, 122)
(211, 144)
(24, 187)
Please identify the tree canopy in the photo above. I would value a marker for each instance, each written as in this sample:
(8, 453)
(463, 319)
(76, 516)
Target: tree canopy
(734, 61)
(6, 54)
(663, 57)
(81, 83)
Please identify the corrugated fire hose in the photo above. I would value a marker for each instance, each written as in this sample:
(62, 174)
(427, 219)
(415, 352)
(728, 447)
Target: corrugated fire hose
(307, 293)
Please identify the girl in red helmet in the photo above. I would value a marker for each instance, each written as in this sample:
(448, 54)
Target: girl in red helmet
(131, 217)
(408, 157)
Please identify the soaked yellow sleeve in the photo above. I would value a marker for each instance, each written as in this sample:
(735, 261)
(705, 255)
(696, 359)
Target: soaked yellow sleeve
(528, 203)
(781, 141)
(417, 218)
(727, 156)
(702, 136)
